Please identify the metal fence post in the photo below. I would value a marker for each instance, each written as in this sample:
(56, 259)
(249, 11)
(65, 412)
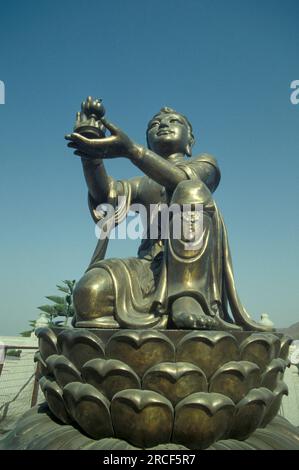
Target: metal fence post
(2, 357)
(35, 386)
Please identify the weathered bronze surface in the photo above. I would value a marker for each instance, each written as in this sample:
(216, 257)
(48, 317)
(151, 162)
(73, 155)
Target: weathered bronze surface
(166, 285)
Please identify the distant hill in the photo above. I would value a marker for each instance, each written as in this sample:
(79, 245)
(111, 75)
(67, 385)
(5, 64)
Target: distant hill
(292, 331)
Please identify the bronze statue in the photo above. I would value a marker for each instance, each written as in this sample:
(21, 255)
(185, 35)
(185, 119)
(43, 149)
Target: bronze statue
(165, 285)
(116, 381)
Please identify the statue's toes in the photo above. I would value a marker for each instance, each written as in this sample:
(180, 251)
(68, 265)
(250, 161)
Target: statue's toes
(205, 322)
(211, 323)
(201, 322)
(193, 321)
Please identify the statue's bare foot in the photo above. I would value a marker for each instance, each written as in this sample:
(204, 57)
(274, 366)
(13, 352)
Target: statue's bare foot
(187, 313)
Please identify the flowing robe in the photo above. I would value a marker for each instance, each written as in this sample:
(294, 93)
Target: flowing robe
(145, 286)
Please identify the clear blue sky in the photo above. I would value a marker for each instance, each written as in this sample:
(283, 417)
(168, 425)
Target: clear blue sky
(227, 65)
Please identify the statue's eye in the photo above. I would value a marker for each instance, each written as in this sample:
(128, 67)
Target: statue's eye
(176, 120)
(153, 124)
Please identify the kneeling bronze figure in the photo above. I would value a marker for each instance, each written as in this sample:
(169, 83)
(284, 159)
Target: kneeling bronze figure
(166, 285)
(163, 354)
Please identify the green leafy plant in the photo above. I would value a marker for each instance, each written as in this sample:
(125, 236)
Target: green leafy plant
(62, 306)
(14, 352)
(28, 333)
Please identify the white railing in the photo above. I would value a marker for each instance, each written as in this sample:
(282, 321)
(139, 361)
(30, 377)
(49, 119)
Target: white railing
(18, 384)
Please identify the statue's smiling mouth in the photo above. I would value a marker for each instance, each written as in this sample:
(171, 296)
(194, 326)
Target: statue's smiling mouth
(164, 132)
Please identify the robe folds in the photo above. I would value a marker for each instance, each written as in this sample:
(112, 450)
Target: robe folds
(146, 285)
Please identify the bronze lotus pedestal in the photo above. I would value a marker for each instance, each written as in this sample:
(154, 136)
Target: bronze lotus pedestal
(146, 389)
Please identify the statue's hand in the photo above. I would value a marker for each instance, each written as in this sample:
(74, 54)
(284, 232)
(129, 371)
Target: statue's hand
(118, 144)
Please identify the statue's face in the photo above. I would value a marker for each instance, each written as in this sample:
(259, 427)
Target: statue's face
(168, 134)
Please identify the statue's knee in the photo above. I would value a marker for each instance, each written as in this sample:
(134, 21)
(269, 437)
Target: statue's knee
(93, 294)
(191, 192)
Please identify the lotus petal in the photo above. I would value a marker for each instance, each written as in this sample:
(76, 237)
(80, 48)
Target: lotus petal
(141, 349)
(141, 417)
(89, 408)
(54, 397)
(110, 376)
(80, 346)
(249, 414)
(201, 419)
(47, 342)
(260, 348)
(175, 380)
(50, 361)
(273, 373)
(42, 369)
(64, 371)
(208, 350)
(235, 379)
(280, 390)
(285, 346)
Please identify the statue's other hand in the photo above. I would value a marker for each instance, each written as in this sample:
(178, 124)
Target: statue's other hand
(118, 144)
(90, 154)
